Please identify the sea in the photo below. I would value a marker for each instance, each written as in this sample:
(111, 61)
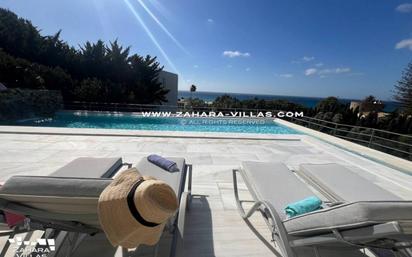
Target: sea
(308, 102)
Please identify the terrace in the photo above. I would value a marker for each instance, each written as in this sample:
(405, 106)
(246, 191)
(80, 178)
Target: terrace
(104, 86)
(214, 227)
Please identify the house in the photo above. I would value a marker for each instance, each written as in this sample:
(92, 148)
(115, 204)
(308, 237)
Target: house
(169, 81)
(367, 107)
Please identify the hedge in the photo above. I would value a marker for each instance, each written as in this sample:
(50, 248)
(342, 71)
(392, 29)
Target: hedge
(18, 104)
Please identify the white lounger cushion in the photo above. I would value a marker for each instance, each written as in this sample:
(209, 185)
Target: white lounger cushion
(349, 215)
(87, 167)
(76, 198)
(275, 183)
(344, 184)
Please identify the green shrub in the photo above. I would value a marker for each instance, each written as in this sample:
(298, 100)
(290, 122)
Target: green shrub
(91, 90)
(23, 104)
(20, 73)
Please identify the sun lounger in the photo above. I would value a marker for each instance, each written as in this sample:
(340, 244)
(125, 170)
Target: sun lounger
(344, 185)
(339, 183)
(68, 203)
(77, 184)
(87, 167)
(333, 231)
(177, 181)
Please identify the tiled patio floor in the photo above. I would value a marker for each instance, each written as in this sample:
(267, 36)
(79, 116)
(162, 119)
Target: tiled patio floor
(214, 227)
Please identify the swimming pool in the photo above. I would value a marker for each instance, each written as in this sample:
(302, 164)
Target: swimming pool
(134, 122)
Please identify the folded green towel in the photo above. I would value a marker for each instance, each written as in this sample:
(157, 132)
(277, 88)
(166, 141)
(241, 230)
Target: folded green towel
(309, 204)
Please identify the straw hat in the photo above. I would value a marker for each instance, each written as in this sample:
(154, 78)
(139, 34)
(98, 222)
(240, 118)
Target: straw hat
(134, 209)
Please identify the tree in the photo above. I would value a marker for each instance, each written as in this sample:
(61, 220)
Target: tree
(117, 60)
(370, 120)
(329, 104)
(197, 104)
(90, 90)
(403, 90)
(227, 101)
(94, 59)
(144, 82)
(369, 99)
(371, 104)
(193, 89)
(31, 60)
(20, 73)
(337, 118)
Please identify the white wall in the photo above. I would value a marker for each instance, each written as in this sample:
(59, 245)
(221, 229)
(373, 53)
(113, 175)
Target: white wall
(170, 81)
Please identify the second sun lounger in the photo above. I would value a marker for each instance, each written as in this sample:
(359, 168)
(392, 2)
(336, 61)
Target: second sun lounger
(334, 231)
(339, 183)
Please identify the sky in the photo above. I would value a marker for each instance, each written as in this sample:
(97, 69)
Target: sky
(348, 49)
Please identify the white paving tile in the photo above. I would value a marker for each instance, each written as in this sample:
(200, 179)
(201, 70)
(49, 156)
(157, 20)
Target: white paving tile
(214, 227)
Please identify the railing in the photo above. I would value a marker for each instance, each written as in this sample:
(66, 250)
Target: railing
(118, 107)
(115, 107)
(389, 142)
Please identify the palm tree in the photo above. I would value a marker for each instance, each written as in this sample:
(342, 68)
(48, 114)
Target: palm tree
(193, 89)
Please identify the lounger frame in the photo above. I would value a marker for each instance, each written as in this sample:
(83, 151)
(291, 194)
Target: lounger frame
(352, 238)
(73, 232)
(271, 217)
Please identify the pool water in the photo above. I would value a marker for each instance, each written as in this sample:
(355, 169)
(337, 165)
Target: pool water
(133, 122)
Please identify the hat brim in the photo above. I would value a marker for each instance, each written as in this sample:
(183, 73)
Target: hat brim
(121, 228)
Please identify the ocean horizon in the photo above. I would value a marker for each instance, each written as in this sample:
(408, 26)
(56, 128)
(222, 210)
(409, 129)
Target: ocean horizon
(308, 102)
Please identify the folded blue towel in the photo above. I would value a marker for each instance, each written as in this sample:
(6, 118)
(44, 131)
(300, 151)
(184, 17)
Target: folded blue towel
(309, 204)
(163, 163)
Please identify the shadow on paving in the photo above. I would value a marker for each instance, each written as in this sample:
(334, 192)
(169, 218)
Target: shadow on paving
(198, 238)
(199, 229)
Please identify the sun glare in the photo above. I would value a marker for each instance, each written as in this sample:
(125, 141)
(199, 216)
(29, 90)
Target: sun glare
(150, 34)
(144, 6)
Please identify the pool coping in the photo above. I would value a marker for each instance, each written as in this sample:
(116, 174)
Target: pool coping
(377, 156)
(144, 133)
